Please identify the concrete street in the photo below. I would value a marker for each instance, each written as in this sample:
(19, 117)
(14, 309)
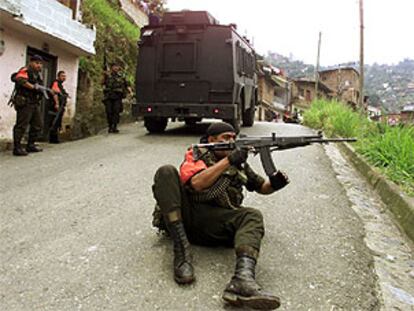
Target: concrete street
(75, 231)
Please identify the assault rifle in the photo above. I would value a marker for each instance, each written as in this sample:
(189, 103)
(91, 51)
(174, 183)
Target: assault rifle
(44, 90)
(265, 145)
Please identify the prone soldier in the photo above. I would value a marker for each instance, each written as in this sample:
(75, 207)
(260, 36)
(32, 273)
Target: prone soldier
(26, 102)
(202, 204)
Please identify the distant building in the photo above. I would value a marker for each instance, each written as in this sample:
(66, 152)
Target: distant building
(344, 83)
(273, 92)
(303, 93)
(407, 114)
(51, 29)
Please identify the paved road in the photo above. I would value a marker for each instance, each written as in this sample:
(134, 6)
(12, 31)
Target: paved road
(75, 231)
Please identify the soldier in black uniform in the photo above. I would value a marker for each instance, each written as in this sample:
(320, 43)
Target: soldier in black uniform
(115, 89)
(27, 105)
(204, 201)
(57, 107)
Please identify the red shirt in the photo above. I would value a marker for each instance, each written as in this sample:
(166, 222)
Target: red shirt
(190, 167)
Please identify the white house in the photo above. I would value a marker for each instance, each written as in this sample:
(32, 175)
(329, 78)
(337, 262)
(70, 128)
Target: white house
(52, 29)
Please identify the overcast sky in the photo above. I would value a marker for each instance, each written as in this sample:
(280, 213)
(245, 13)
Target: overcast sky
(292, 27)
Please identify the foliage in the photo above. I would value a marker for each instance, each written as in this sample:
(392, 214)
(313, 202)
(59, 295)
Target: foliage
(116, 41)
(391, 149)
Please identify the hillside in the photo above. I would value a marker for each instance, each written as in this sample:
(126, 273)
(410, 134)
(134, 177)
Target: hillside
(388, 86)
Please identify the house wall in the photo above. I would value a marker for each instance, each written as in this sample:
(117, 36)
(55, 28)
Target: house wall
(299, 91)
(131, 8)
(52, 18)
(15, 58)
(266, 90)
(407, 117)
(344, 83)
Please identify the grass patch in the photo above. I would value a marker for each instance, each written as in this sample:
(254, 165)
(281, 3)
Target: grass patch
(110, 15)
(391, 149)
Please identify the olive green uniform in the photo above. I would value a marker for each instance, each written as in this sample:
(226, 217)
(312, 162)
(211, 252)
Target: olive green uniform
(115, 89)
(213, 217)
(27, 105)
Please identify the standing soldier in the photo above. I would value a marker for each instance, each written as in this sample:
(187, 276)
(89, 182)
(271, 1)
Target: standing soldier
(115, 89)
(27, 105)
(57, 107)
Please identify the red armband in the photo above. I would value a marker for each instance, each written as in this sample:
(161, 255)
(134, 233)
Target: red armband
(190, 167)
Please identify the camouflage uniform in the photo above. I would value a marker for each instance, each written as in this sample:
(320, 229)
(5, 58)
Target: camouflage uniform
(27, 105)
(115, 89)
(213, 217)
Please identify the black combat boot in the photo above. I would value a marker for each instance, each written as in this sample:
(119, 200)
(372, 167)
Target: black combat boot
(18, 150)
(115, 129)
(31, 147)
(243, 291)
(53, 138)
(110, 128)
(183, 269)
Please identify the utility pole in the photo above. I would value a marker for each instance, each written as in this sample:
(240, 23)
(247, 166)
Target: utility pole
(317, 67)
(361, 55)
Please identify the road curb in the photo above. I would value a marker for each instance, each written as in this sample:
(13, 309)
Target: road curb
(400, 204)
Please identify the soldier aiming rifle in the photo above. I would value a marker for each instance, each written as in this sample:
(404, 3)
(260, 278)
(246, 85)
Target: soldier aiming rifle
(202, 204)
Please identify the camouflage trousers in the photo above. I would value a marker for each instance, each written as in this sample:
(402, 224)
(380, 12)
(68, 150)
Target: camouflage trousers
(206, 224)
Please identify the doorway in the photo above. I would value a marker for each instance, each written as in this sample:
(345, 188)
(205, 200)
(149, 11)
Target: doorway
(48, 75)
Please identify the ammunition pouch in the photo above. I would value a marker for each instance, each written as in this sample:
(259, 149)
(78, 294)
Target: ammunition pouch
(19, 102)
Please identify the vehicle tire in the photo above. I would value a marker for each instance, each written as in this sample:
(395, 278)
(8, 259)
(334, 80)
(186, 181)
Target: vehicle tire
(248, 114)
(155, 125)
(191, 121)
(236, 123)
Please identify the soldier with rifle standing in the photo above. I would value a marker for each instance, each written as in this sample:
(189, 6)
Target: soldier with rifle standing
(57, 107)
(115, 89)
(26, 102)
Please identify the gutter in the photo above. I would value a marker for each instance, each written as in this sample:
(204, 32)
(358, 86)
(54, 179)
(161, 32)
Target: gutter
(398, 203)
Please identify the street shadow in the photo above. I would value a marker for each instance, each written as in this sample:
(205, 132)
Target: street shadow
(196, 131)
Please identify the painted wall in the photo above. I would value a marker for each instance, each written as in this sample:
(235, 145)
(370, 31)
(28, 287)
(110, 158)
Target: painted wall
(53, 18)
(15, 58)
(131, 8)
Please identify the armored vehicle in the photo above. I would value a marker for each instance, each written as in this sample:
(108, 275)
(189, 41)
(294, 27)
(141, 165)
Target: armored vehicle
(190, 67)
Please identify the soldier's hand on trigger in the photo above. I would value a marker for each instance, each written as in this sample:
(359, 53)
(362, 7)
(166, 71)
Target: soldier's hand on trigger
(279, 180)
(238, 156)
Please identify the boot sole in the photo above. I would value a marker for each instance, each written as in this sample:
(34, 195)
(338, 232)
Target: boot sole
(254, 302)
(184, 281)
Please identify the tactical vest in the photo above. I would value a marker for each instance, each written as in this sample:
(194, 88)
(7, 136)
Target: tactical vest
(31, 96)
(115, 87)
(227, 191)
(63, 95)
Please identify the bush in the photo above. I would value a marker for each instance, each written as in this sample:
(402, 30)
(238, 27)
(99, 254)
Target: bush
(389, 148)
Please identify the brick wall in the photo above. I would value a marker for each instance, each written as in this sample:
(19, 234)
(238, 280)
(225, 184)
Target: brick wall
(55, 19)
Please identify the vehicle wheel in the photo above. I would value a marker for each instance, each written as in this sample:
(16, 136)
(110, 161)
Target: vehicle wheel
(236, 123)
(191, 121)
(155, 125)
(248, 114)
